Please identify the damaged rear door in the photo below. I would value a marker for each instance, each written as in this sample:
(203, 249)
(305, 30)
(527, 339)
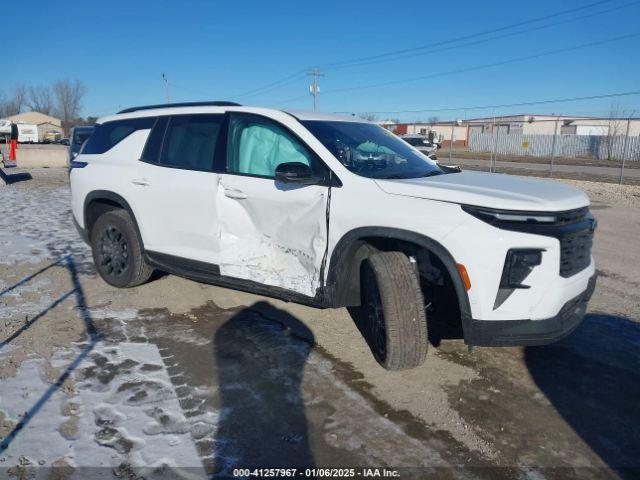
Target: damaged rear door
(270, 232)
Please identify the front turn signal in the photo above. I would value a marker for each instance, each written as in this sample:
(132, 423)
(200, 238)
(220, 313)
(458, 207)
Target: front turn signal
(465, 276)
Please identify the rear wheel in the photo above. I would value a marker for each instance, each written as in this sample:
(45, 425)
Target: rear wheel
(117, 250)
(395, 315)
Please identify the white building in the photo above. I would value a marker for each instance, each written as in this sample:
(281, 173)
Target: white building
(532, 124)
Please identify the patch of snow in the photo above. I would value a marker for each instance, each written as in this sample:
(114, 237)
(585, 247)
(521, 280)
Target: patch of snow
(16, 248)
(125, 314)
(35, 227)
(124, 415)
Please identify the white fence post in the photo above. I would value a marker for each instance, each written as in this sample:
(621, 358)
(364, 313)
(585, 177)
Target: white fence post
(492, 165)
(553, 145)
(624, 149)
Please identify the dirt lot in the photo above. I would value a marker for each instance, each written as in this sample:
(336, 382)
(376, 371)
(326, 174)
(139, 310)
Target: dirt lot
(540, 168)
(177, 379)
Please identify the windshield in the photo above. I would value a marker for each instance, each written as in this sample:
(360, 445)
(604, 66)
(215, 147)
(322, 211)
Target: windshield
(371, 151)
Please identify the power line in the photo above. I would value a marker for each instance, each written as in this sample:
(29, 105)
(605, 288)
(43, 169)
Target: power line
(491, 39)
(289, 100)
(507, 105)
(464, 37)
(483, 66)
(341, 64)
(383, 57)
(272, 85)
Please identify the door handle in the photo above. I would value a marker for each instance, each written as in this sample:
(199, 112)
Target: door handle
(234, 193)
(143, 182)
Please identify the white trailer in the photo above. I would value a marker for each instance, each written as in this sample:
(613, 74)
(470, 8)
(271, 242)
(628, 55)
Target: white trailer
(27, 133)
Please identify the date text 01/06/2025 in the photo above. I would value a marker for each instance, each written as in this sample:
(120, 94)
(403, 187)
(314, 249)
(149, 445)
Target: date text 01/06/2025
(316, 472)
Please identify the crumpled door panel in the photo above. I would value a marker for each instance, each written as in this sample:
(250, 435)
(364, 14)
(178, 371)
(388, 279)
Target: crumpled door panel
(275, 235)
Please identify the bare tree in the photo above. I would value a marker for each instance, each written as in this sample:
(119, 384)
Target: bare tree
(19, 97)
(68, 101)
(40, 99)
(372, 117)
(3, 104)
(13, 104)
(433, 120)
(616, 127)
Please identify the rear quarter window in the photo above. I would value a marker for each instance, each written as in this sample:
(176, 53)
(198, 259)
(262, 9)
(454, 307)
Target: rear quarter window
(107, 135)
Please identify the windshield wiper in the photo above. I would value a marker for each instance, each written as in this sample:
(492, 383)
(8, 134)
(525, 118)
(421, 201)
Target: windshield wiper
(398, 176)
(391, 177)
(431, 174)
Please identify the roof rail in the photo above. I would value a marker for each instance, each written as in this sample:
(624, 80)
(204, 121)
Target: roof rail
(184, 104)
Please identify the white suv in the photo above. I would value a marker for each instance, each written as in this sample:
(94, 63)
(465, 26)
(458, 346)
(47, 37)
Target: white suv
(334, 211)
(421, 143)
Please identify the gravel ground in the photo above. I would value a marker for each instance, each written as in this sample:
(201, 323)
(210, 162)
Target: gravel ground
(175, 379)
(610, 193)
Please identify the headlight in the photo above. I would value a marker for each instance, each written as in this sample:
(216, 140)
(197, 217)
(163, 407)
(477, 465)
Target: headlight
(491, 215)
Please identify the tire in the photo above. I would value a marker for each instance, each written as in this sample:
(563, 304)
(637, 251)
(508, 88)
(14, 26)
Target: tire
(396, 321)
(117, 250)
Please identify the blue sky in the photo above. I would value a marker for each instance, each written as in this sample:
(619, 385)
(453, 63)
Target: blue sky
(219, 49)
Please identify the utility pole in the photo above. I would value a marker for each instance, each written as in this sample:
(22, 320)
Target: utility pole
(166, 86)
(314, 89)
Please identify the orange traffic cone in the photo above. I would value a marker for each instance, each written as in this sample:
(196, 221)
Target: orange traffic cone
(12, 150)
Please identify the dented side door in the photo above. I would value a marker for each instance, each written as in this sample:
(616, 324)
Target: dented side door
(272, 233)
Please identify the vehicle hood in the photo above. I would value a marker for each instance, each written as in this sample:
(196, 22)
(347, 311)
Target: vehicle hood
(491, 190)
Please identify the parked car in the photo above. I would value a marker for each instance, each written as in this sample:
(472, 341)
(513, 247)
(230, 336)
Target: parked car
(52, 136)
(78, 136)
(63, 141)
(334, 211)
(420, 143)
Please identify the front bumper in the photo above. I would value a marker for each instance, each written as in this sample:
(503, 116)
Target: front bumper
(504, 333)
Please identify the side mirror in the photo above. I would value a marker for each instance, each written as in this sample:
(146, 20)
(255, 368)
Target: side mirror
(296, 172)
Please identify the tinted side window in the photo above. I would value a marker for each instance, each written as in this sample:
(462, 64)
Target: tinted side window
(415, 142)
(257, 146)
(152, 149)
(190, 141)
(80, 136)
(106, 135)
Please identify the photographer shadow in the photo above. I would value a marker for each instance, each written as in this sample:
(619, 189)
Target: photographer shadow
(260, 356)
(592, 378)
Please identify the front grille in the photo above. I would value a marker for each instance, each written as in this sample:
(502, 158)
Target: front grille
(575, 252)
(571, 216)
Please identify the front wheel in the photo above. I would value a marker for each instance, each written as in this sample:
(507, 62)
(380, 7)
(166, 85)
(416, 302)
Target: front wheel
(395, 315)
(117, 250)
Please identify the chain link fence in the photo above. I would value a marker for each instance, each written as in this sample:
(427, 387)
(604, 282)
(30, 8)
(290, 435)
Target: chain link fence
(598, 147)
